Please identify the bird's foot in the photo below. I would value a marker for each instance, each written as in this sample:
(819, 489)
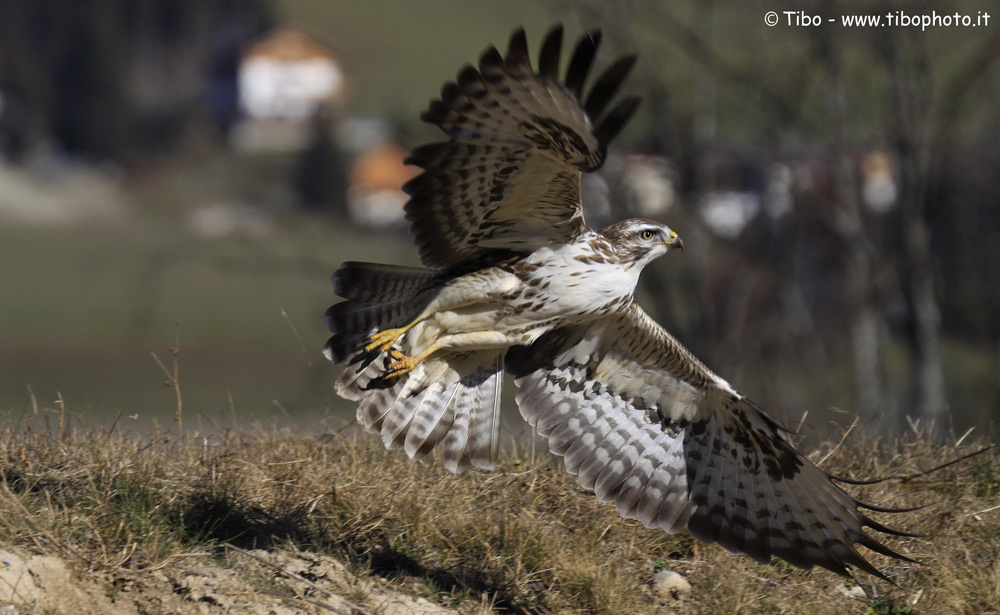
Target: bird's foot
(401, 364)
(384, 340)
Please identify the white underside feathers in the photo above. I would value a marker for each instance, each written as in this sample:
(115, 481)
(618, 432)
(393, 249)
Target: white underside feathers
(610, 445)
(451, 400)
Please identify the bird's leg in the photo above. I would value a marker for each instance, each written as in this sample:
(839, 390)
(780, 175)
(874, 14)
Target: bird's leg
(403, 364)
(470, 289)
(470, 340)
(381, 341)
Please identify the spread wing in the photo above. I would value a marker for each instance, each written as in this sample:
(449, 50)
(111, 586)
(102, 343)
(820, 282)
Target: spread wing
(646, 425)
(508, 178)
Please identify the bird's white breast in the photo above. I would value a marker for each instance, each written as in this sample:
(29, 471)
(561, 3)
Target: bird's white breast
(579, 285)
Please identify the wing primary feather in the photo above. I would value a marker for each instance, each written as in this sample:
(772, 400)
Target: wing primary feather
(451, 94)
(471, 82)
(705, 481)
(787, 544)
(856, 481)
(759, 512)
(613, 122)
(885, 529)
(727, 494)
(548, 57)
(579, 65)
(493, 69)
(424, 157)
(755, 542)
(607, 85)
(884, 509)
(878, 547)
(490, 58)
(437, 113)
(830, 539)
(517, 52)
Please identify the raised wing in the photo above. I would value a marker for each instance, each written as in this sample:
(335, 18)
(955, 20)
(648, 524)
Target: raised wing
(508, 178)
(646, 425)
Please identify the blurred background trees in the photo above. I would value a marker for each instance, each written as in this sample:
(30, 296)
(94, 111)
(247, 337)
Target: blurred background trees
(837, 188)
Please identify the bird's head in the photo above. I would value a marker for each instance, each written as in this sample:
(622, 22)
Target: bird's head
(640, 241)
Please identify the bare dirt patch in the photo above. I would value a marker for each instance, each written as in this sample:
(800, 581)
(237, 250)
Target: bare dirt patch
(257, 582)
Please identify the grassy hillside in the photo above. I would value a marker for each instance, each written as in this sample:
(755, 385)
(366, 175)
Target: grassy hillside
(123, 510)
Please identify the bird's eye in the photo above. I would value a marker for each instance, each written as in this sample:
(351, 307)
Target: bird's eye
(647, 234)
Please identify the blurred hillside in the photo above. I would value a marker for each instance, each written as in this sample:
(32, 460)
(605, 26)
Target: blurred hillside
(836, 189)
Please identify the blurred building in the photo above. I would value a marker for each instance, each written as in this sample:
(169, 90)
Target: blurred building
(878, 182)
(374, 196)
(650, 185)
(285, 78)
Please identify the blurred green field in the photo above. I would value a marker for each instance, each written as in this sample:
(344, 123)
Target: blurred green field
(83, 310)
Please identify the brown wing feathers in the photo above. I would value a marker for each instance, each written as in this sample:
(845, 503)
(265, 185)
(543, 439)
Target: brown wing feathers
(755, 494)
(508, 178)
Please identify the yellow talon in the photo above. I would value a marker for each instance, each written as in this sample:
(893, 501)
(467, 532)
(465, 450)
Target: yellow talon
(383, 340)
(403, 364)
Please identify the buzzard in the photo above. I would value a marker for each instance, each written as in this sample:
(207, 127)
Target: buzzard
(514, 280)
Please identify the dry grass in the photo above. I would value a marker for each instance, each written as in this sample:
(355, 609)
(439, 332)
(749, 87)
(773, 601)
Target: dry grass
(524, 539)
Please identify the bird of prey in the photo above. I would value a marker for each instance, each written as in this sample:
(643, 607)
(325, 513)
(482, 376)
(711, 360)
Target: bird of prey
(515, 280)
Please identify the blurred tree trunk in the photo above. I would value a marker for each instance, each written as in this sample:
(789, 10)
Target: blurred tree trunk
(910, 91)
(949, 111)
(94, 117)
(865, 314)
(319, 176)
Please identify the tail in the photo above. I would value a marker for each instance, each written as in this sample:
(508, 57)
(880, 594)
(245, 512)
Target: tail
(448, 399)
(377, 283)
(377, 297)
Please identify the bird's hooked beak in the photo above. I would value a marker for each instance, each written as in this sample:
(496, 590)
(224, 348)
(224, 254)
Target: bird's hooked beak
(673, 242)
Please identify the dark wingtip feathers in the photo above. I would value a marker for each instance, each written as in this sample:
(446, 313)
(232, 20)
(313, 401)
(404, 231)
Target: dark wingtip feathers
(607, 85)
(451, 93)
(548, 57)
(616, 119)
(470, 85)
(579, 65)
(490, 59)
(517, 51)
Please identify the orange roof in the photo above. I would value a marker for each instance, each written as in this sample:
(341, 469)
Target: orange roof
(382, 168)
(288, 44)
